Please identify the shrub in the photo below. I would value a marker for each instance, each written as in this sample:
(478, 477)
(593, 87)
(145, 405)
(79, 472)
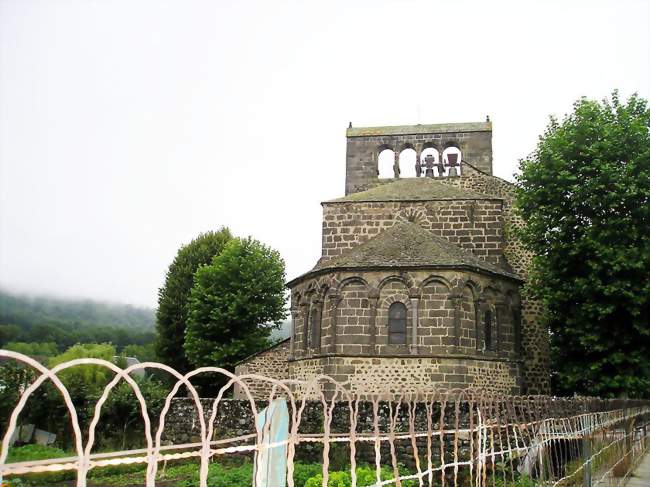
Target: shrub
(365, 477)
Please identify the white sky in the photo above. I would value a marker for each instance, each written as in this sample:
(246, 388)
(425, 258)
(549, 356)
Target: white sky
(128, 127)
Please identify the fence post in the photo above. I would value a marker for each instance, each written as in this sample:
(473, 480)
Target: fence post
(586, 455)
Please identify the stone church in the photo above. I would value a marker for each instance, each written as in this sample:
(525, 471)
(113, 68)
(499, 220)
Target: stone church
(420, 282)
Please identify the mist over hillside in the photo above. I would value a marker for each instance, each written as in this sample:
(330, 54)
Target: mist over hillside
(65, 322)
(18, 308)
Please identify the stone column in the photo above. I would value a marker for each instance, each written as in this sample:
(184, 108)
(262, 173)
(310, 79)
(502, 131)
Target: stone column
(414, 325)
(477, 322)
(335, 300)
(457, 302)
(318, 309)
(292, 340)
(499, 313)
(305, 327)
(396, 164)
(373, 299)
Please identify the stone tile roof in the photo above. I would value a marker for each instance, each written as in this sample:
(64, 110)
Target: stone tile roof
(412, 189)
(408, 245)
(438, 128)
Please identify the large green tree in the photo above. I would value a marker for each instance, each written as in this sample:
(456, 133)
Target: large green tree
(585, 196)
(172, 313)
(236, 301)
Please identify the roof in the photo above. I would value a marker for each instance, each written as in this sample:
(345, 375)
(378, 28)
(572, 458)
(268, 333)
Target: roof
(438, 128)
(408, 245)
(413, 189)
(267, 349)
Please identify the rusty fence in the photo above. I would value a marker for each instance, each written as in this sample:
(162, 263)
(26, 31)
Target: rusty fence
(420, 437)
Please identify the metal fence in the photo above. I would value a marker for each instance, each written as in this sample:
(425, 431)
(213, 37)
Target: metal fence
(423, 437)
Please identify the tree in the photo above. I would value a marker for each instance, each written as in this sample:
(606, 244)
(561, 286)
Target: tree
(585, 196)
(173, 297)
(235, 303)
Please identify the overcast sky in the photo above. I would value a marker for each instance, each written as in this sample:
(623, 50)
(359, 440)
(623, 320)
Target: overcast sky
(128, 127)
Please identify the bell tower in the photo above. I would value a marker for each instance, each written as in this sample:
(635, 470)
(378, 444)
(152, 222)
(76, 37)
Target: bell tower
(440, 151)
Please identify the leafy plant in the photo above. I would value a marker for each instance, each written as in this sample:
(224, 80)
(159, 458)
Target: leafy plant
(173, 298)
(234, 304)
(585, 197)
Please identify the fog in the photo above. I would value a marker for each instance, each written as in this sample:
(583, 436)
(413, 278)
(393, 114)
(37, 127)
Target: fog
(126, 128)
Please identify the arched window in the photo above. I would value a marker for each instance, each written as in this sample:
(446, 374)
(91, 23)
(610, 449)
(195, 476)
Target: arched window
(487, 327)
(451, 157)
(314, 323)
(385, 163)
(397, 324)
(407, 159)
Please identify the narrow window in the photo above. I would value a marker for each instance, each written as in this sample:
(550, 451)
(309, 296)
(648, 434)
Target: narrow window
(397, 324)
(315, 328)
(487, 324)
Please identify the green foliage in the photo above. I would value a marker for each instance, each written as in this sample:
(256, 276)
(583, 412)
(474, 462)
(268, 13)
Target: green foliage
(173, 297)
(27, 453)
(121, 424)
(519, 481)
(302, 472)
(366, 476)
(41, 350)
(585, 196)
(235, 303)
(66, 322)
(144, 353)
(87, 377)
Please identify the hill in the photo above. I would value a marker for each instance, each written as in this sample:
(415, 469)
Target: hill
(69, 321)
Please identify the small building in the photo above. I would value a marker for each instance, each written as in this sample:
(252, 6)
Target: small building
(419, 283)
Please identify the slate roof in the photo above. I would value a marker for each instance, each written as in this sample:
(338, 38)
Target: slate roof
(413, 189)
(407, 245)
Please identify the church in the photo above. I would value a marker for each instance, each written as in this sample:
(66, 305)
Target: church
(420, 280)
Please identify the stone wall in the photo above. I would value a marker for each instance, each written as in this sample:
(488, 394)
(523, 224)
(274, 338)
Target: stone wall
(474, 225)
(353, 310)
(273, 362)
(364, 145)
(394, 376)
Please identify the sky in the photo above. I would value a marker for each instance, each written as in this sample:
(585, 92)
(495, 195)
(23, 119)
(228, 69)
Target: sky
(129, 127)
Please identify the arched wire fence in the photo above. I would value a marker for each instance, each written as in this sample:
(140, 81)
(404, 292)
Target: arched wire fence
(410, 437)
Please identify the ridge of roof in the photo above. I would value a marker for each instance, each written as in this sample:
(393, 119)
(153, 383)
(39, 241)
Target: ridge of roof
(412, 189)
(407, 244)
(436, 128)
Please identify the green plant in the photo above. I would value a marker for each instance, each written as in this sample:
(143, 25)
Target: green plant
(235, 303)
(366, 476)
(585, 197)
(173, 298)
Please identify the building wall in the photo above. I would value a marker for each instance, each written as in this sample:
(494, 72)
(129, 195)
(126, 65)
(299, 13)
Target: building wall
(273, 363)
(354, 314)
(395, 376)
(474, 141)
(474, 225)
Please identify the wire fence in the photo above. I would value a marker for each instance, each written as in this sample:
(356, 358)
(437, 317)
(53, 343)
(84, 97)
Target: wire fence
(423, 438)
